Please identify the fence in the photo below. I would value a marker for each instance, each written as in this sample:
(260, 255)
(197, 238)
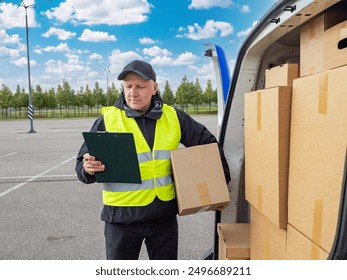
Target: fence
(82, 112)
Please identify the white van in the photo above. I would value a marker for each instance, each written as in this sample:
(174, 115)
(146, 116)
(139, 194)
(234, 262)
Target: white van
(284, 134)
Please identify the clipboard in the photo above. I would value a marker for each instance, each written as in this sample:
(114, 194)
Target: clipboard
(118, 152)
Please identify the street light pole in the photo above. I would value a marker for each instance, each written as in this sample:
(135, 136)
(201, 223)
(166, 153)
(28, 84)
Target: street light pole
(107, 71)
(30, 107)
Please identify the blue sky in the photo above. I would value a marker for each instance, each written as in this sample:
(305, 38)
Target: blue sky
(75, 40)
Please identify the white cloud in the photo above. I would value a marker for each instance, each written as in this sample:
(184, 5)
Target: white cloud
(14, 15)
(162, 60)
(185, 58)
(146, 41)
(119, 59)
(95, 56)
(207, 4)
(23, 62)
(8, 39)
(209, 30)
(60, 33)
(96, 36)
(156, 51)
(59, 67)
(204, 72)
(4, 52)
(62, 47)
(244, 33)
(93, 12)
(245, 9)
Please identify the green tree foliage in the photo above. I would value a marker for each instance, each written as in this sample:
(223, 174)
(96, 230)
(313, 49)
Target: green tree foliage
(188, 95)
(209, 96)
(89, 98)
(65, 96)
(196, 99)
(21, 100)
(40, 99)
(52, 99)
(182, 93)
(113, 95)
(168, 96)
(99, 95)
(6, 99)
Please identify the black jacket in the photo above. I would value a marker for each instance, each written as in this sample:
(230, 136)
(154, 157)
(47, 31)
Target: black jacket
(192, 134)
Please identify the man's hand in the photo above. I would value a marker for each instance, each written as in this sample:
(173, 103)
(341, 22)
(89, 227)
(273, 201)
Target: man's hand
(91, 165)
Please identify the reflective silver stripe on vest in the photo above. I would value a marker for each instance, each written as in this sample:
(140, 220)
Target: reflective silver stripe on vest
(126, 187)
(164, 181)
(146, 184)
(143, 157)
(162, 154)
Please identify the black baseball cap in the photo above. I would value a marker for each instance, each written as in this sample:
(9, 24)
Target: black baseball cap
(139, 67)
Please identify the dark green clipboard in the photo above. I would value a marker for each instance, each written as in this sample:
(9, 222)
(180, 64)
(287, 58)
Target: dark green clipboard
(118, 152)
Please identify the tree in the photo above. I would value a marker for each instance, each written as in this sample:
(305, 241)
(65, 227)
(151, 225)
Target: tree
(182, 93)
(196, 95)
(52, 102)
(100, 97)
(39, 98)
(113, 94)
(168, 96)
(88, 98)
(65, 96)
(6, 99)
(21, 100)
(209, 96)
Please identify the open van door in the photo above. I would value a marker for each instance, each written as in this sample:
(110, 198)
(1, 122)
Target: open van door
(284, 134)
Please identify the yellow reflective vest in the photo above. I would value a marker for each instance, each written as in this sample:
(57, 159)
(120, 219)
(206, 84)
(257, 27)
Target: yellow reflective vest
(155, 165)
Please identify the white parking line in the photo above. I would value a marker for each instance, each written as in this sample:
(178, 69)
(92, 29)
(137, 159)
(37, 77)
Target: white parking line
(8, 155)
(44, 176)
(34, 177)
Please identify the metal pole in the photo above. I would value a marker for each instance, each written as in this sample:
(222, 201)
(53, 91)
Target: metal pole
(107, 71)
(30, 107)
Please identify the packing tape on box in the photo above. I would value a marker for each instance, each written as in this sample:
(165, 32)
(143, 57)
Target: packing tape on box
(267, 246)
(323, 94)
(259, 110)
(204, 195)
(314, 251)
(317, 228)
(203, 209)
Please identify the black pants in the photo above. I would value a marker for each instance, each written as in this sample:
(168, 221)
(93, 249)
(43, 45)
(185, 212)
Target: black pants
(123, 241)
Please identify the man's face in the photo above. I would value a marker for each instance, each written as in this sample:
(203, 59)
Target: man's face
(138, 92)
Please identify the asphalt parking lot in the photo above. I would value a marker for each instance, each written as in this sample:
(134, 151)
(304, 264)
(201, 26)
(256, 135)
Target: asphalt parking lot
(47, 214)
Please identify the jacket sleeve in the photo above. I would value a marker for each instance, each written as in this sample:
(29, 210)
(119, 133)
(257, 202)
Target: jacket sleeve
(84, 177)
(194, 133)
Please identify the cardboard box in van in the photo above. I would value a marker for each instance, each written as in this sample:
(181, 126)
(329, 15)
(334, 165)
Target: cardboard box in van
(282, 75)
(267, 128)
(317, 154)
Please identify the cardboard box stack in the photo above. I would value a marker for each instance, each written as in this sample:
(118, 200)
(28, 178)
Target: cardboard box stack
(199, 179)
(295, 143)
(318, 146)
(268, 242)
(318, 140)
(300, 247)
(267, 134)
(319, 43)
(234, 241)
(267, 125)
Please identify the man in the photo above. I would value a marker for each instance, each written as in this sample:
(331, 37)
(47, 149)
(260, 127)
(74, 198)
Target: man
(140, 212)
